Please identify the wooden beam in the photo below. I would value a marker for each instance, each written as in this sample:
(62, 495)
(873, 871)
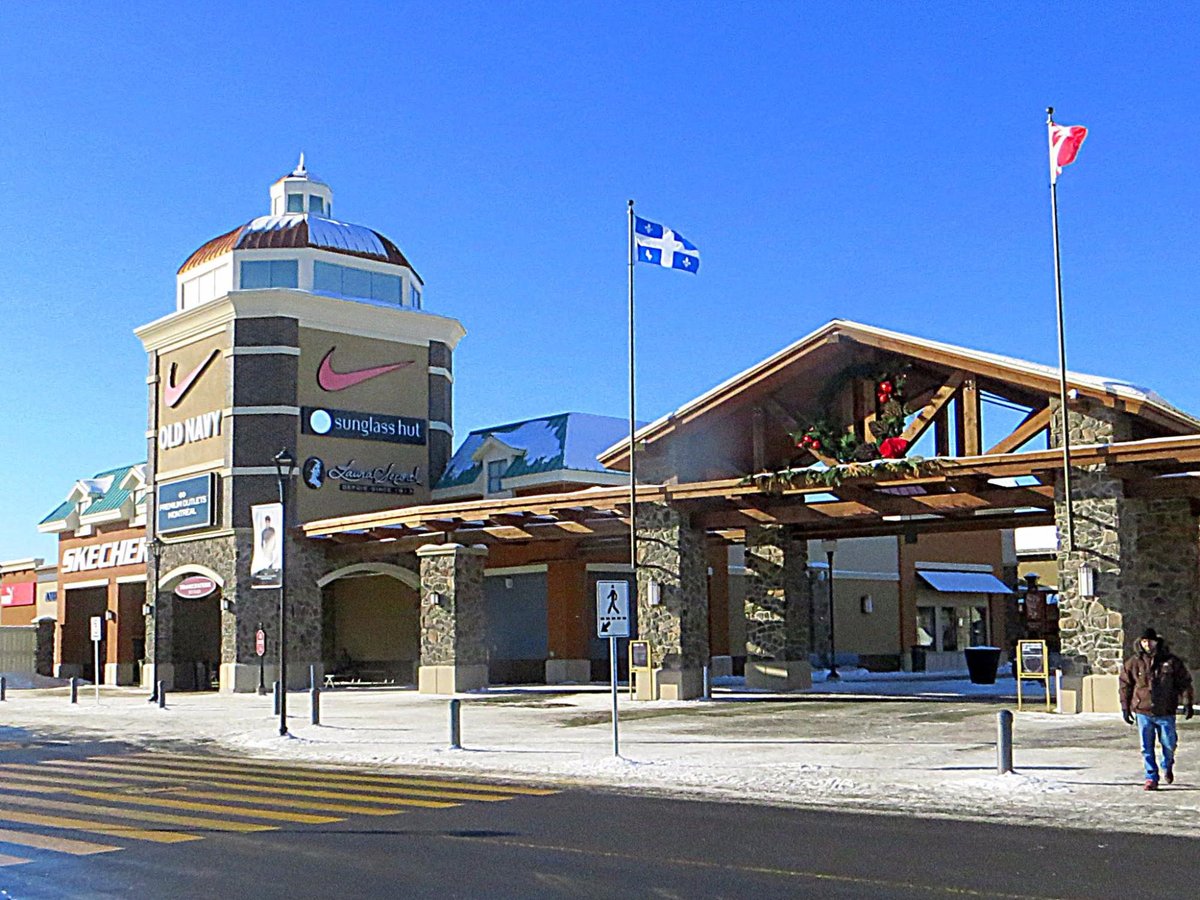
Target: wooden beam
(1037, 420)
(864, 408)
(775, 408)
(968, 438)
(924, 418)
(758, 439)
(941, 434)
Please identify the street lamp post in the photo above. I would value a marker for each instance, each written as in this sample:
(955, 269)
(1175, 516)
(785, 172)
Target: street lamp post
(830, 547)
(152, 606)
(285, 466)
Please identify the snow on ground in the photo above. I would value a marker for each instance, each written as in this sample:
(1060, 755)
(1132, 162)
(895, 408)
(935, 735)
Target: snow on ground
(922, 745)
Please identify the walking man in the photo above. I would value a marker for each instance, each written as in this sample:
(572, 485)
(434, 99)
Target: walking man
(1153, 683)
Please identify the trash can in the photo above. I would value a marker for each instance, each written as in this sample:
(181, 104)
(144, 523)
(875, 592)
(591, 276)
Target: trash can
(982, 663)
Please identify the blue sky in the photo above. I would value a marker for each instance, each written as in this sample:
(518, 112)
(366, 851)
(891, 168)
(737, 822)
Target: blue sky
(879, 162)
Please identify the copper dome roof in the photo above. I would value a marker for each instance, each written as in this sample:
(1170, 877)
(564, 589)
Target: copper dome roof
(300, 230)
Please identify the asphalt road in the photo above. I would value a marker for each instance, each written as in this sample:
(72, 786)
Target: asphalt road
(102, 820)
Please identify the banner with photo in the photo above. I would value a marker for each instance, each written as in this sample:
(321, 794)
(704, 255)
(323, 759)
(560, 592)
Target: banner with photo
(266, 560)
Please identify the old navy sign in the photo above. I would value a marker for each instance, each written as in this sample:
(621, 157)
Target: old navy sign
(185, 504)
(189, 431)
(113, 555)
(345, 423)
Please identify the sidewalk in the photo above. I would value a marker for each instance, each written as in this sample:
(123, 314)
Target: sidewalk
(822, 748)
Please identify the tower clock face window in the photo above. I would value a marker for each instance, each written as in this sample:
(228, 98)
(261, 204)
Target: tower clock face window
(295, 203)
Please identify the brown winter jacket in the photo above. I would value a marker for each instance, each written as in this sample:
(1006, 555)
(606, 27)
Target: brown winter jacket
(1155, 685)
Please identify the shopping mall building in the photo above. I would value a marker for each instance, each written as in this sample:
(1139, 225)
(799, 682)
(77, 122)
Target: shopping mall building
(835, 500)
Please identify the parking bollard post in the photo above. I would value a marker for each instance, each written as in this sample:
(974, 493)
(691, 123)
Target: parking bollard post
(3, 688)
(455, 725)
(275, 691)
(1004, 746)
(162, 695)
(707, 683)
(74, 689)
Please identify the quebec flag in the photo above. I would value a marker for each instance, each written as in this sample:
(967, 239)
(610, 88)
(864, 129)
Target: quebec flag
(663, 247)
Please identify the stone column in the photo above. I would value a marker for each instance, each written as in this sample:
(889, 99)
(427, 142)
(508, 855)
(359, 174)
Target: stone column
(777, 609)
(1146, 557)
(453, 619)
(567, 622)
(671, 554)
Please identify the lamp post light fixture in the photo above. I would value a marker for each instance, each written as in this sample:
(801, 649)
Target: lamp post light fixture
(150, 609)
(285, 467)
(829, 546)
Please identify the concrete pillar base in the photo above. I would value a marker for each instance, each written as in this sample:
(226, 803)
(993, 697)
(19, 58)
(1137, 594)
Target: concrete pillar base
(242, 678)
(568, 671)
(680, 684)
(778, 676)
(119, 673)
(152, 673)
(720, 667)
(1091, 693)
(451, 679)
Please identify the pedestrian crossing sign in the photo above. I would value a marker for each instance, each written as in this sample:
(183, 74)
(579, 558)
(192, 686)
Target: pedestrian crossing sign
(612, 609)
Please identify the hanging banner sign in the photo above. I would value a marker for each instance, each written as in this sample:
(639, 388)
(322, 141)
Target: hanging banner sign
(186, 504)
(266, 560)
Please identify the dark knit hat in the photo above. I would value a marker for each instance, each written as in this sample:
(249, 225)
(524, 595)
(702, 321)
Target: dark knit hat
(1150, 635)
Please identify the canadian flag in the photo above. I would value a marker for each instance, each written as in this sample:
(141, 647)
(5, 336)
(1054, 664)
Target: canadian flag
(1065, 141)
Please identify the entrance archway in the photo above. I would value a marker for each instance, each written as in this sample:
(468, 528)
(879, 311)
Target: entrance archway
(370, 623)
(196, 629)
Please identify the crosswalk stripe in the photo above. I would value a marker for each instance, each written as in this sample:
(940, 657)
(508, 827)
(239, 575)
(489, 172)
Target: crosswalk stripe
(52, 780)
(317, 805)
(220, 809)
(362, 779)
(50, 842)
(302, 778)
(106, 828)
(11, 860)
(117, 812)
(263, 785)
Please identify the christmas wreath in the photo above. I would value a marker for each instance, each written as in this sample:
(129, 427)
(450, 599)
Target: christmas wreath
(841, 443)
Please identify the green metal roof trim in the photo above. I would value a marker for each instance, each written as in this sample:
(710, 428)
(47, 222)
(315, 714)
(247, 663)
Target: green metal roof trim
(112, 499)
(60, 513)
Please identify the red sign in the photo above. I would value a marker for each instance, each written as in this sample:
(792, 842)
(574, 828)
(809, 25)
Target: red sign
(260, 642)
(17, 594)
(196, 587)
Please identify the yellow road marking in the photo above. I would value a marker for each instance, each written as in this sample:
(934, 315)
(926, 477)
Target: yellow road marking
(52, 780)
(208, 762)
(11, 860)
(266, 787)
(117, 812)
(319, 806)
(244, 811)
(300, 778)
(105, 828)
(50, 842)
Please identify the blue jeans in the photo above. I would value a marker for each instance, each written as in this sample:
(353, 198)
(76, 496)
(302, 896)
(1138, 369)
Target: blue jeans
(1164, 728)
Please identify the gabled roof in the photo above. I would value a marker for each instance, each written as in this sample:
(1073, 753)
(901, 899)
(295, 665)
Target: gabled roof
(108, 491)
(566, 441)
(1034, 377)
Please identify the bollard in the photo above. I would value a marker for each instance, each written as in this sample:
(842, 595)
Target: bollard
(275, 690)
(315, 693)
(312, 677)
(455, 725)
(74, 689)
(3, 688)
(707, 695)
(1004, 746)
(162, 695)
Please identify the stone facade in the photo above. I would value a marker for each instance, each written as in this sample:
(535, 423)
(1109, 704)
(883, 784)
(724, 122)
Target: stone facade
(44, 655)
(454, 654)
(671, 553)
(1145, 554)
(778, 600)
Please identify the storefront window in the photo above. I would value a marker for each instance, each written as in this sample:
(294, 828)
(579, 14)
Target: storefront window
(925, 626)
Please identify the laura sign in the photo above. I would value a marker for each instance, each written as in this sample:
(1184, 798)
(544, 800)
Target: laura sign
(17, 594)
(350, 476)
(113, 555)
(345, 423)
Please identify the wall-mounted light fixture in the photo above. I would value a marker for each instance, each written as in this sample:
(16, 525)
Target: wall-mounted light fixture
(653, 593)
(226, 604)
(1087, 580)
(868, 604)
(110, 615)
(436, 599)
(147, 609)
(508, 584)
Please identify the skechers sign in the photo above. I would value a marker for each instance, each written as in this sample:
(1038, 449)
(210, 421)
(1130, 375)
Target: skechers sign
(113, 555)
(387, 479)
(185, 504)
(362, 426)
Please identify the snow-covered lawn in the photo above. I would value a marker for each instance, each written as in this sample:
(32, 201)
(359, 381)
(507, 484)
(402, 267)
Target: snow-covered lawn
(870, 744)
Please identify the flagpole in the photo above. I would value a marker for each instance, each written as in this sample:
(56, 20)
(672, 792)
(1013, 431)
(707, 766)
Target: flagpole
(1062, 346)
(632, 423)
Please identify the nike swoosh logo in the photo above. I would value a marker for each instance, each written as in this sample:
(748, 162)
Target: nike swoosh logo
(331, 381)
(172, 392)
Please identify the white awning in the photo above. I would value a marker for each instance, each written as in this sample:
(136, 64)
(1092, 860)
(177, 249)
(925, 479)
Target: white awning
(964, 582)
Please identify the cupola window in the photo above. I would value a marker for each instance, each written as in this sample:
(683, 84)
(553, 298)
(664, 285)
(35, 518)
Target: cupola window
(270, 273)
(295, 203)
(495, 475)
(316, 205)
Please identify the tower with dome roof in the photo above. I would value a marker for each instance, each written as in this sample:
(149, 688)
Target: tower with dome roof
(294, 331)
